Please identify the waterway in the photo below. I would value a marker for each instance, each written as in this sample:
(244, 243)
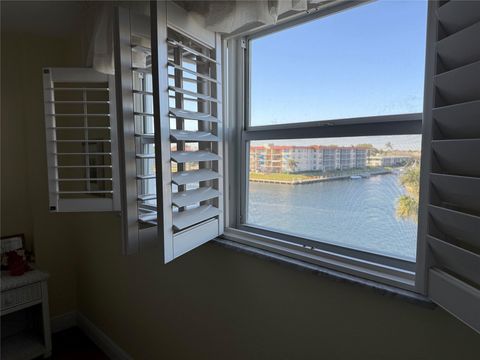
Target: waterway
(356, 213)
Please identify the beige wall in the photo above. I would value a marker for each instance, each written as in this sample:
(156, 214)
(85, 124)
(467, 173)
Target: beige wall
(216, 303)
(213, 303)
(24, 194)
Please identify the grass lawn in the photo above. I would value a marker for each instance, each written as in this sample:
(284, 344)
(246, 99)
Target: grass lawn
(310, 175)
(280, 176)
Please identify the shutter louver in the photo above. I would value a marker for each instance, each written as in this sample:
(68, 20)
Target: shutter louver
(187, 76)
(453, 204)
(80, 128)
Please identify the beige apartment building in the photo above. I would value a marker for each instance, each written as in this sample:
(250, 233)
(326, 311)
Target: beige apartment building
(388, 160)
(290, 159)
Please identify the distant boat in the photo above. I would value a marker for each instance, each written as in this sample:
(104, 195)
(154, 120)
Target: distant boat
(355, 177)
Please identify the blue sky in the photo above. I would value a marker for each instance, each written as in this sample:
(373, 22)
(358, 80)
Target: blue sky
(365, 61)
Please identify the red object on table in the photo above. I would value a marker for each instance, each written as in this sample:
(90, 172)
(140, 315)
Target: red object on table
(17, 264)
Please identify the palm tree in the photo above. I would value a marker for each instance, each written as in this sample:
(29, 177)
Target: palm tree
(407, 208)
(389, 146)
(407, 205)
(292, 165)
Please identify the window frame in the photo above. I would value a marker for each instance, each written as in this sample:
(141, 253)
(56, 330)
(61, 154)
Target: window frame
(238, 132)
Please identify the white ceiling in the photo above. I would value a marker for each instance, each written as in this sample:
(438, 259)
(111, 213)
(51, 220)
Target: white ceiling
(49, 18)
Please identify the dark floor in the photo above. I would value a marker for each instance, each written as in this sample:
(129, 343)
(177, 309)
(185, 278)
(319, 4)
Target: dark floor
(73, 344)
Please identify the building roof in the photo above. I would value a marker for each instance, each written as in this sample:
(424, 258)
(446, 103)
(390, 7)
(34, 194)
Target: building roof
(309, 147)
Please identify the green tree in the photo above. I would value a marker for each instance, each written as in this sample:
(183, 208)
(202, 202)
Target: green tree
(407, 205)
(292, 165)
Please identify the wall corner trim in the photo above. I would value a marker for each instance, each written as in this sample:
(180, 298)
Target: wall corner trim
(102, 340)
(63, 322)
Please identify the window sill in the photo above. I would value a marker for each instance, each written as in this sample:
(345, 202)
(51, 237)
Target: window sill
(384, 282)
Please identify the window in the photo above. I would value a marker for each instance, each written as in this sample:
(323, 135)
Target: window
(331, 168)
(331, 140)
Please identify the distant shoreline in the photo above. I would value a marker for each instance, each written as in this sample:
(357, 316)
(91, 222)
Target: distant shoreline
(319, 179)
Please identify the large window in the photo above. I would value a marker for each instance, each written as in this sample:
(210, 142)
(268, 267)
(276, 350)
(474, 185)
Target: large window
(331, 141)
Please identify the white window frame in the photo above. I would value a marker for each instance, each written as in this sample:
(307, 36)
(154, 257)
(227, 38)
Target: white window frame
(383, 269)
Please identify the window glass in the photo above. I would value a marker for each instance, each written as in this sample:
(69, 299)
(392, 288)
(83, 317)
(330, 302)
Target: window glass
(366, 61)
(358, 192)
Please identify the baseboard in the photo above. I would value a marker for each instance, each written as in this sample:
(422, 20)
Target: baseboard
(63, 322)
(107, 345)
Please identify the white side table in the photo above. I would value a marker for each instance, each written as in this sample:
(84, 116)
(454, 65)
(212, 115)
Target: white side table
(22, 293)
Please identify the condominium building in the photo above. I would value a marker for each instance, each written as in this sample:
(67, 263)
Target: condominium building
(388, 160)
(289, 159)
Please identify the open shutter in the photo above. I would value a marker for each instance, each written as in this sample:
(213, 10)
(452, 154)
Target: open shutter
(188, 121)
(453, 162)
(80, 129)
(136, 135)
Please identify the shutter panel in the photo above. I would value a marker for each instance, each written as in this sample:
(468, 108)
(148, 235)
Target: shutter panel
(136, 135)
(80, 127)
(188, 119)
(453, 203)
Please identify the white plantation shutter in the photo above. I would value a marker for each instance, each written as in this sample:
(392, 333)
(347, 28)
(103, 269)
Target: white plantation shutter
(80, 127)
(453, 203)
(188, 122)
(136, 129)
(186, 193)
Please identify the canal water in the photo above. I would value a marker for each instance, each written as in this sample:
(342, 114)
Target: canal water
(356, 213)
